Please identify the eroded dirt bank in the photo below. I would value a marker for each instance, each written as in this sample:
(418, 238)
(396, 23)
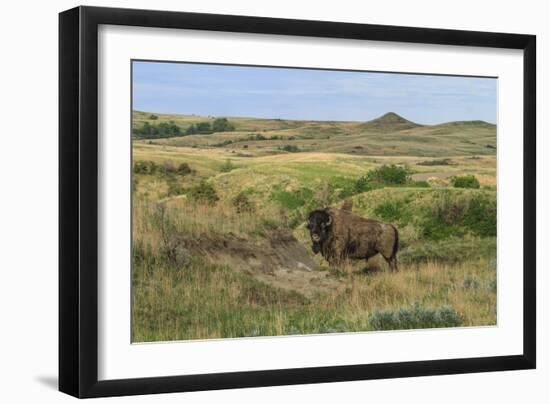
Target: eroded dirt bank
(279, 260)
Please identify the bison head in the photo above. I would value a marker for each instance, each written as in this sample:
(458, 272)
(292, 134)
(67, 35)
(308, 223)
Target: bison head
(319, 223)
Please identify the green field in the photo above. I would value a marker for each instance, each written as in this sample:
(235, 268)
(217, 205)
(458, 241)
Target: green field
(220, 247)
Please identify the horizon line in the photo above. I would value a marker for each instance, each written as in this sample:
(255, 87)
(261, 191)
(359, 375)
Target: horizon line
(313, 120)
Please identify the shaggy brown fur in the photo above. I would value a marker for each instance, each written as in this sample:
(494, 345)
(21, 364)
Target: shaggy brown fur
(339, 235)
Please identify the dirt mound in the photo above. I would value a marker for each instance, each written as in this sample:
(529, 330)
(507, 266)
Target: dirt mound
(278, 260)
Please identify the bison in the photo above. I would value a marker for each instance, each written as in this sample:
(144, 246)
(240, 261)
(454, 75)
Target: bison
(339, 235)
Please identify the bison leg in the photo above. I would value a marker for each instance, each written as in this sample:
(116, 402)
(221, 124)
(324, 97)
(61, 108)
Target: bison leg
(392, 262)
(391, 255)
(334, 262)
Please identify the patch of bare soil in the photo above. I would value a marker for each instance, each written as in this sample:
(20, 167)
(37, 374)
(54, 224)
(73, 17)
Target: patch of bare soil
(426, 176)
(279, 260)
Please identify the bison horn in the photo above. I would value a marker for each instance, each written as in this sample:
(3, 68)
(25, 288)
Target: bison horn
(329, 220)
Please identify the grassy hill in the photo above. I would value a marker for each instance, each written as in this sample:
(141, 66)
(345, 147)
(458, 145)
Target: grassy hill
(389, 122)
(389, 134)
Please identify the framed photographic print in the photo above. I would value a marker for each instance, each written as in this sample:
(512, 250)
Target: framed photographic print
(251, 201)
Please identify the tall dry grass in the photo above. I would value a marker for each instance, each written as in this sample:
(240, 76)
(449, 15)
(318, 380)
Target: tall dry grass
(196, 300)
(199, 219)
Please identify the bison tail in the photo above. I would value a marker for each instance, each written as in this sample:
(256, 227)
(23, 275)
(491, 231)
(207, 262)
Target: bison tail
(396, 243)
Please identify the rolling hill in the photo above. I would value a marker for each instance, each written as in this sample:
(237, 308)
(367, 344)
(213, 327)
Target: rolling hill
(389, 122)
(389, 134)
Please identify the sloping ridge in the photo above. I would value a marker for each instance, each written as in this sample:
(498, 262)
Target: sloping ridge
(474, 123)
(389, 122)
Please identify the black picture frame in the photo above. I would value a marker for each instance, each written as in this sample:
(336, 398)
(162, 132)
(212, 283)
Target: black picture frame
(78, 201)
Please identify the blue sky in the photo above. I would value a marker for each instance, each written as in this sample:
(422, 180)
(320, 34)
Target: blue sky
(309, 94)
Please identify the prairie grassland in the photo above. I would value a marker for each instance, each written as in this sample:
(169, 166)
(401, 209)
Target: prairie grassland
(190, 298)
(201, 300)
(254, 202)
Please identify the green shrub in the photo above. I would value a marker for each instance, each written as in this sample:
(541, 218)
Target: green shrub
(363, 184)
(415, 317)
(290, 148)
(155, 131)
(436, 230)
(448, 208)
(389, 175)
(191, 130)
(174, 187)
(393, 211)
(481, 216)
(299, 203)
(153, 117)
(453, 215)
(152, 167)
(227, 166)
(140, 167)
(442, 218)
(294, 199)
(249, 191)
(145, 167)
(199, 128)
(204, 192)
(167, 167)
(242, 203)
(344, 187)
(222, 125)
(184, 169)
(256, 136)
(465, 181)
(420, 184)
